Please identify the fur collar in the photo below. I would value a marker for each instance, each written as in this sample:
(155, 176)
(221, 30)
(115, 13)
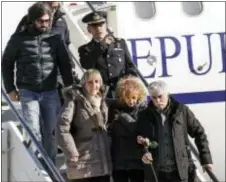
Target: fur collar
(77, 92)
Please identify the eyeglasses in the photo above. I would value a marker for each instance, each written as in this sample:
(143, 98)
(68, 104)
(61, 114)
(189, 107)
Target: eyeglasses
(42, 21)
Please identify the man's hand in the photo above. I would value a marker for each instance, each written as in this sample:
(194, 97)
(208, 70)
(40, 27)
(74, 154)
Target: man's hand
(108, 39)
(140, 139)
(14, 96)
(207, 166)
(147, 158)
(72, 161)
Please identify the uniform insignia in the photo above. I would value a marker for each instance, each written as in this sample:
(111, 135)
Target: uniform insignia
(96, 17)
(117, 49)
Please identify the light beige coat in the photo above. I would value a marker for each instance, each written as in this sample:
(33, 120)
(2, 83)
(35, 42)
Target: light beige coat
(77, 136)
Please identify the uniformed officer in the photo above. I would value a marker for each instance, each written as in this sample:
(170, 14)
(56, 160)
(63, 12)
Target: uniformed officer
(104, 52)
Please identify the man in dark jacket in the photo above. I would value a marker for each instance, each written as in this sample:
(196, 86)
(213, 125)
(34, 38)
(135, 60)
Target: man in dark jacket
(169, 122)
(59, 24)
(105, 53)
(38, 55)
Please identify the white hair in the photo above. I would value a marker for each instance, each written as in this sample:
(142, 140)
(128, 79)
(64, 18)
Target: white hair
(157, 87)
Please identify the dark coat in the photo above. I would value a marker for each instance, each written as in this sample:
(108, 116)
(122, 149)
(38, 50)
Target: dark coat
(112, 62)
(37, 57)
(180, 118)
(59, 26)
(126, 153)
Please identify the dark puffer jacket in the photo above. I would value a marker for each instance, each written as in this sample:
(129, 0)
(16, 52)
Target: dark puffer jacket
(37, 57)
(126, 153)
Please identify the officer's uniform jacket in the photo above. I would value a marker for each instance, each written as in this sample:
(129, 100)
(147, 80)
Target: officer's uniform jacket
(113, 61)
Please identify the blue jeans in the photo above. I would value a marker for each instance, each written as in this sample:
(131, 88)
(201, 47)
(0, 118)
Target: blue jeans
(40, 110)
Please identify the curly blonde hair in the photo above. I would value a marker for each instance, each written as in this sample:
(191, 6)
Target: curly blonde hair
(128, 85)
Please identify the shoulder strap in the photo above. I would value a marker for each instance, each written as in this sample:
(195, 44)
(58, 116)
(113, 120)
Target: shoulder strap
(192, 177)
(187, 141)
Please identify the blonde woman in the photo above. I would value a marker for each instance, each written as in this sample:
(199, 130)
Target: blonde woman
(82, 133)
(126, 154)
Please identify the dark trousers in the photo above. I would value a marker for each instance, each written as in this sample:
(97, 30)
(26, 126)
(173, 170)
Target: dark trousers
(59, 89)
(169, 177)
(94, 179)
(128, 176)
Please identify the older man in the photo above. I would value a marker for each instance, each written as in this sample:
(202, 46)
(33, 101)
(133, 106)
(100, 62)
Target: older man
(169, 122)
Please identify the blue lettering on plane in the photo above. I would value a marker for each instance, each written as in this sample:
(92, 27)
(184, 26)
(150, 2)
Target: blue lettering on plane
(166, 57)
(188, 98)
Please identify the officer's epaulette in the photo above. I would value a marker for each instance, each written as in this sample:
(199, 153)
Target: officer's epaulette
(119, 40)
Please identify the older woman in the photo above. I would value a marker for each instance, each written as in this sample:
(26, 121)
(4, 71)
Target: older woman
(82, 133)
(126, 154)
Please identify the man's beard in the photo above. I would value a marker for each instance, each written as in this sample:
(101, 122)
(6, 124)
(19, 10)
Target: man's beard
(43, 29)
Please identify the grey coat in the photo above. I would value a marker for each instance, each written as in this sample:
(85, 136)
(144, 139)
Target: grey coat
(183, 123)
(77, 136)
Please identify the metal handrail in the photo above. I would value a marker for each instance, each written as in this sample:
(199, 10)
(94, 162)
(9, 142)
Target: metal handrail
(194, 150)
(196, 154)
(74, 58)
(77, 62)
(54, 171)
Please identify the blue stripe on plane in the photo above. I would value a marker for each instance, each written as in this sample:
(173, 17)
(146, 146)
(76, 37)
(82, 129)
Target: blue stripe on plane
(201, 97)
